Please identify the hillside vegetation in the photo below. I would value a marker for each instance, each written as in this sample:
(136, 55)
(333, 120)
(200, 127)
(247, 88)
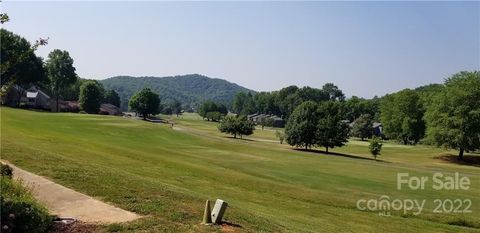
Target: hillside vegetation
(167, 174)
(190, 90)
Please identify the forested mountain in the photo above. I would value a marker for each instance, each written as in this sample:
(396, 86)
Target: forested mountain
(190, 90)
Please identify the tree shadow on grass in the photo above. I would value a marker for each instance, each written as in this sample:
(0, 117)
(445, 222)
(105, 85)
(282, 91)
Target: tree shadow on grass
(227, 224)
(154, 119)
(238, 138)
(468, 160)
(339, 154)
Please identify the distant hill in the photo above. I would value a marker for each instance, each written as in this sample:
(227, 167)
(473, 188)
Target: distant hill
(190, 89)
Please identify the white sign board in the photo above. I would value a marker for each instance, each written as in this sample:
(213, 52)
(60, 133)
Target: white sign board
(218, 211)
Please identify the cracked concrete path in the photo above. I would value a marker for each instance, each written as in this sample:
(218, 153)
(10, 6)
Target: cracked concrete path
(65, 202)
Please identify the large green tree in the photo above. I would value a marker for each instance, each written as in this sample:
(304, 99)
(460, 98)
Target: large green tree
(300, 129)
(176, 106)
(402, 116)
(91, 96)
(428, 92)
(313, 124)
(287, 100)
(245, 126)
(331, 131)
(222, 109)
(333, 92)
(206, 107)
(72, 92)
(312, 94)
(111, 97)
(20, 66)
(212, 111)
(145, 102)
(243, 103)
(354, 107)
(229, 125)
(60, 71)
(265, 103)
(214, 116)
(453, 118)
(235, 125)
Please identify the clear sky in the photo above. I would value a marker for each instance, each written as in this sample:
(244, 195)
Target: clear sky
(366, 48)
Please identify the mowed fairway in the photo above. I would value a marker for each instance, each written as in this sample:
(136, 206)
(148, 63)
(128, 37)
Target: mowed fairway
(167, 174)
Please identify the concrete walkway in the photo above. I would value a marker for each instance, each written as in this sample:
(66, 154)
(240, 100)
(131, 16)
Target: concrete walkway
(65, 202)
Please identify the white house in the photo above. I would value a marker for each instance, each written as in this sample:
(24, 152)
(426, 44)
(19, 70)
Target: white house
(37, 98)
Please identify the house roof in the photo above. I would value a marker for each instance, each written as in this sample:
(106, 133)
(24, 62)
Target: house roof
(34, 91)
(43, 93)
(376, 124)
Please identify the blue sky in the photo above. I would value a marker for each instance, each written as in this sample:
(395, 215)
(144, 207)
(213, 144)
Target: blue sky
(366, 48)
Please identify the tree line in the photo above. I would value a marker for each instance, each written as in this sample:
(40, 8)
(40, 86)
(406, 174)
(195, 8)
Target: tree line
(21, 69)
(212, 111)
(446, 115)
(283, 102)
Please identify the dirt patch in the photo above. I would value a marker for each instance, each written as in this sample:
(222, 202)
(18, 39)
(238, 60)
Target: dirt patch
(76, 227)
(339, 154)
(230, 227)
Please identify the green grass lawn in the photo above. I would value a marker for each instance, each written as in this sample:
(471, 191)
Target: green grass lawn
(192, 121)
(167, 174)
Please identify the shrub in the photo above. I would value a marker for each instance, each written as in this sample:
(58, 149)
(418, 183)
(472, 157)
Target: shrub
(280, 135)
(375, 146)
(6, 171)
(20, 211)
(23, 105)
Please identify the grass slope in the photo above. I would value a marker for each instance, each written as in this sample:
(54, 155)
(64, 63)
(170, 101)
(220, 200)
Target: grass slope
(167, 174)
